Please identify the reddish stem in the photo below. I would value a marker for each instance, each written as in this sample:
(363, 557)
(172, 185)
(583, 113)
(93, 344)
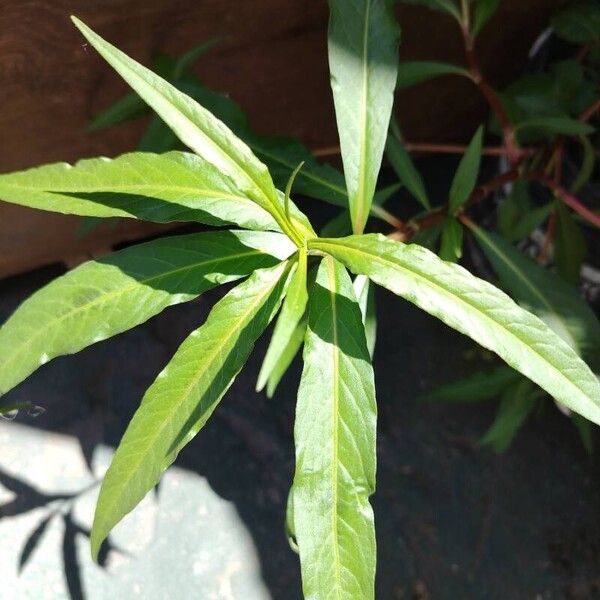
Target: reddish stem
(491, 97)
(590, 111)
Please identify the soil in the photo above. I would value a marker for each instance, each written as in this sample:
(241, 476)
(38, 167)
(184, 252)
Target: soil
(453, 519)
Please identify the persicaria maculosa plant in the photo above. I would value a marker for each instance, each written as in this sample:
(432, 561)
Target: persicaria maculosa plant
(288, 271)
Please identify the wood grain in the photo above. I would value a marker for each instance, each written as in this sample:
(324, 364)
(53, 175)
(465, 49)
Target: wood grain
(271, 59)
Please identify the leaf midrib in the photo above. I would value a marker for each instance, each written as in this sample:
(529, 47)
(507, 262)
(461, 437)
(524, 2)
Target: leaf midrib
(375, 258)
(335, 424)
(119, 292)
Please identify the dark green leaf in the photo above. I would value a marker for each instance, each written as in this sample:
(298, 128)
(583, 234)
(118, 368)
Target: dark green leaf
(517, 218)
(335, 445)
(406, 170)
(414, 72)
(556, 126)
(465, 179)
(569, 245)
(517, 404)
(185, 394)
(105, 297)
(475, 388)
(129, 107)
(578, 24)
(363, 61)
(484, 11)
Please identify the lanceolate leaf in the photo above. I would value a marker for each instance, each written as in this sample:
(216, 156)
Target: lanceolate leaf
(414, 72)
(475, 388)
(477, 309)
(292, 312)
(406, 170)
(335, 445)
(542, 292)
(201, 131)
(363, 60)
(466, 175)
(518, 402)
(556, 126)
(484, 11)
(105, 297)
(185, 394)
(176, 186)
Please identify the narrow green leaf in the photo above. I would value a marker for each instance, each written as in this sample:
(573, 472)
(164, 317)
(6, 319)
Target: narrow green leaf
(406, 170)
(452, 240)
(484, 11)
(128, 107)
(587, 165)
(465, 179)
(185, 394)
(176, 186)
(475, 388)
(543, 293)
(517, 404)
(335, 445)
(284, 360)
(414, 72)
(201, 131)
(104, 297)
(365, 294)
(556, 126)
(292, 312)
(186, 61)
(569, 245)
(363, 61)
(476, 308)
(517, 217)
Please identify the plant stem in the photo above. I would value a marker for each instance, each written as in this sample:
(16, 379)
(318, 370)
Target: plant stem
(590, 111)
(488, 93)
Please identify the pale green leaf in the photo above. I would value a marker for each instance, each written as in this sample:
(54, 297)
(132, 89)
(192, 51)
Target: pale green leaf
(474, 388)
(465, 179)
(176, 186)
(518, 402)
(363, 61)
(406, 170)
(185, 394)
(286, 357)
(452, 240)
(542, 292)
(202, 132)
(476, 308)
(292, 312)
(104, 297)
(335, 445)
(414, 72)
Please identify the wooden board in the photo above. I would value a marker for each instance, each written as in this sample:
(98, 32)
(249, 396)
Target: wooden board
(272, 59)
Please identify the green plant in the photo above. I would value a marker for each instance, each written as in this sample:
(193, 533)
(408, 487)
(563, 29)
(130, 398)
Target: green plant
(287, 265)
(544, 120)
